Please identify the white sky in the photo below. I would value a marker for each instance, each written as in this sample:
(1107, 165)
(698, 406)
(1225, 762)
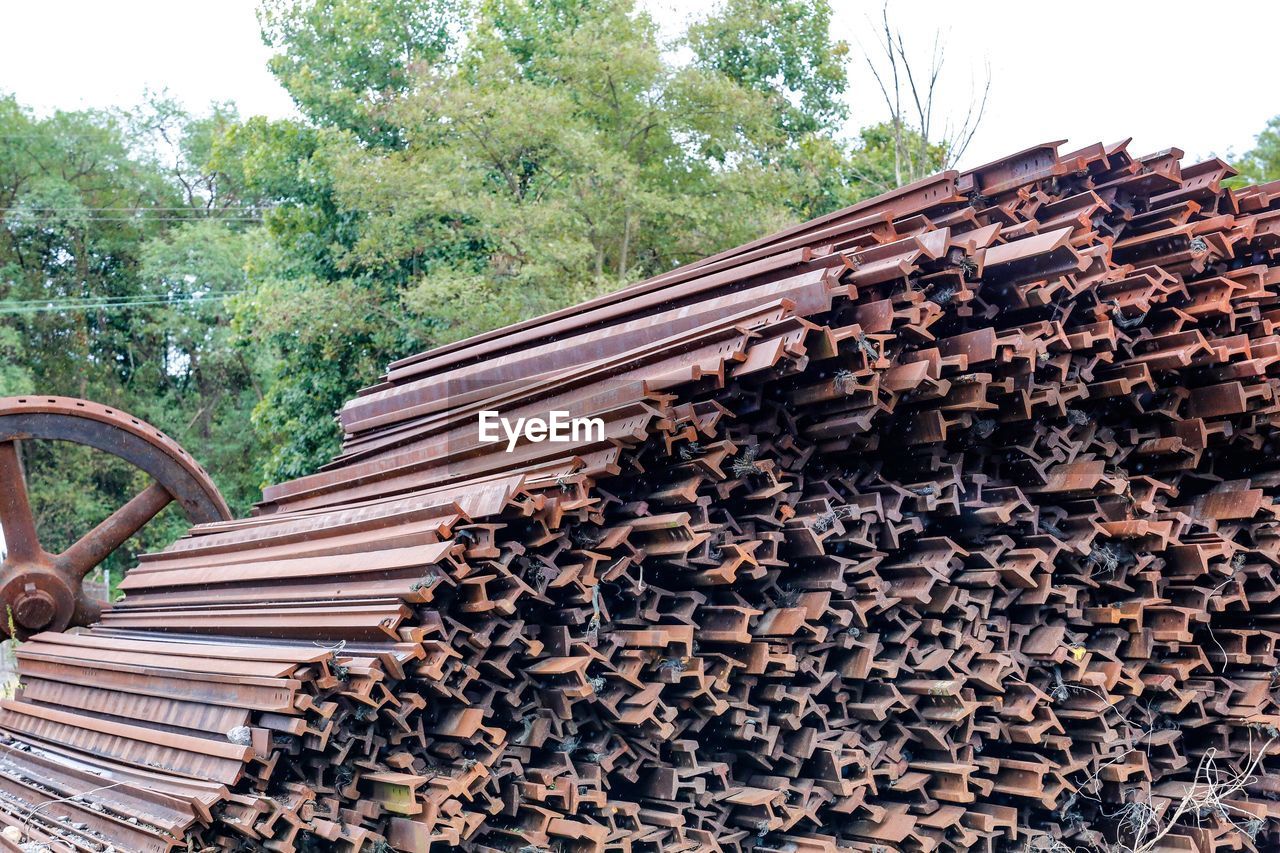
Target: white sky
(1171, 74)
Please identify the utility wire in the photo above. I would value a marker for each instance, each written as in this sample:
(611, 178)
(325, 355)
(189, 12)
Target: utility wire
(77, 309)
(185, 207)
(252, 213)
(140, 220)
(63, 306)
(168, 217)
(136, 297)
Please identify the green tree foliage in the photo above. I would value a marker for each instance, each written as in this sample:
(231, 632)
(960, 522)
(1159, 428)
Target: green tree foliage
(872, 170)
(1262, 162)
(116, 252)
(322, 326)
(345, 61)
(461, 172)
(206, 373)
(555, 172)
(14, 378)
(783, 49)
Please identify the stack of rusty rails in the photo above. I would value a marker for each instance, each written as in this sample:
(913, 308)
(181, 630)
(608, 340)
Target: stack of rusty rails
(168, 735)
(945, 522)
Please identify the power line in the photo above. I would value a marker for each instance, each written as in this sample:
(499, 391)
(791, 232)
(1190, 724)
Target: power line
(135, 297)
(141, 221)
(253, 214)
(65, 306)
(140, 209)
(135, 220)
(74, 309)
(127, 217)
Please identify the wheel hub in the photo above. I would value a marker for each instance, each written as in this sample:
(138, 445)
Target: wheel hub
(37, 598)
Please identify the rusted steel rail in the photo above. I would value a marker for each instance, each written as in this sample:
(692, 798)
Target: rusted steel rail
(944, 522)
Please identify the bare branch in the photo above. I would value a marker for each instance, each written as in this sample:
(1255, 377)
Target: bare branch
(916, 140)
(965, 135)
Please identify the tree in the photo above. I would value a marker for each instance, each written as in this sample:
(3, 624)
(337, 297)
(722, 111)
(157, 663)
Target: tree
(318, 327)
(181, 146)
(784, 50)
(1262, 162)
(458, 166)
(204, 371)
(910, 90)
(14, 378)
(875, 164)
(114, 278)
(559, 153)
(345, 61)
(543, 169)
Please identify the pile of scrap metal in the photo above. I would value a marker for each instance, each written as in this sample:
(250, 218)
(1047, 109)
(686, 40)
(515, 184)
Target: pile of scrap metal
(943, 522)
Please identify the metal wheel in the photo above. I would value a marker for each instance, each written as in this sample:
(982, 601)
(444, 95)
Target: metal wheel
(40, 591)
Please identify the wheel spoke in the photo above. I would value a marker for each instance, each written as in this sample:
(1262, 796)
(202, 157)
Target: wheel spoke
(20, 537)
(97, 545)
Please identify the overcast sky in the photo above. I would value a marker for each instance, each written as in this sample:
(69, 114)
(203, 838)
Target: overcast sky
(1086, 71)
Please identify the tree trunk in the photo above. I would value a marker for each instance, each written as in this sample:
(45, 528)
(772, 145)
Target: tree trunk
(626, 245)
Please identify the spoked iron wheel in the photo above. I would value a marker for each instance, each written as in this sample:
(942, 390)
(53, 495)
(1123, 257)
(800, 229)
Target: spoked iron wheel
(40, 591)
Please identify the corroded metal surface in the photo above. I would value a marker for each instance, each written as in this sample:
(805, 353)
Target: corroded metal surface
(43, 591)
(945, 522)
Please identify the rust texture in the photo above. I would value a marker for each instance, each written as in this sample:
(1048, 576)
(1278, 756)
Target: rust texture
(40, 591)
(943, 522)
